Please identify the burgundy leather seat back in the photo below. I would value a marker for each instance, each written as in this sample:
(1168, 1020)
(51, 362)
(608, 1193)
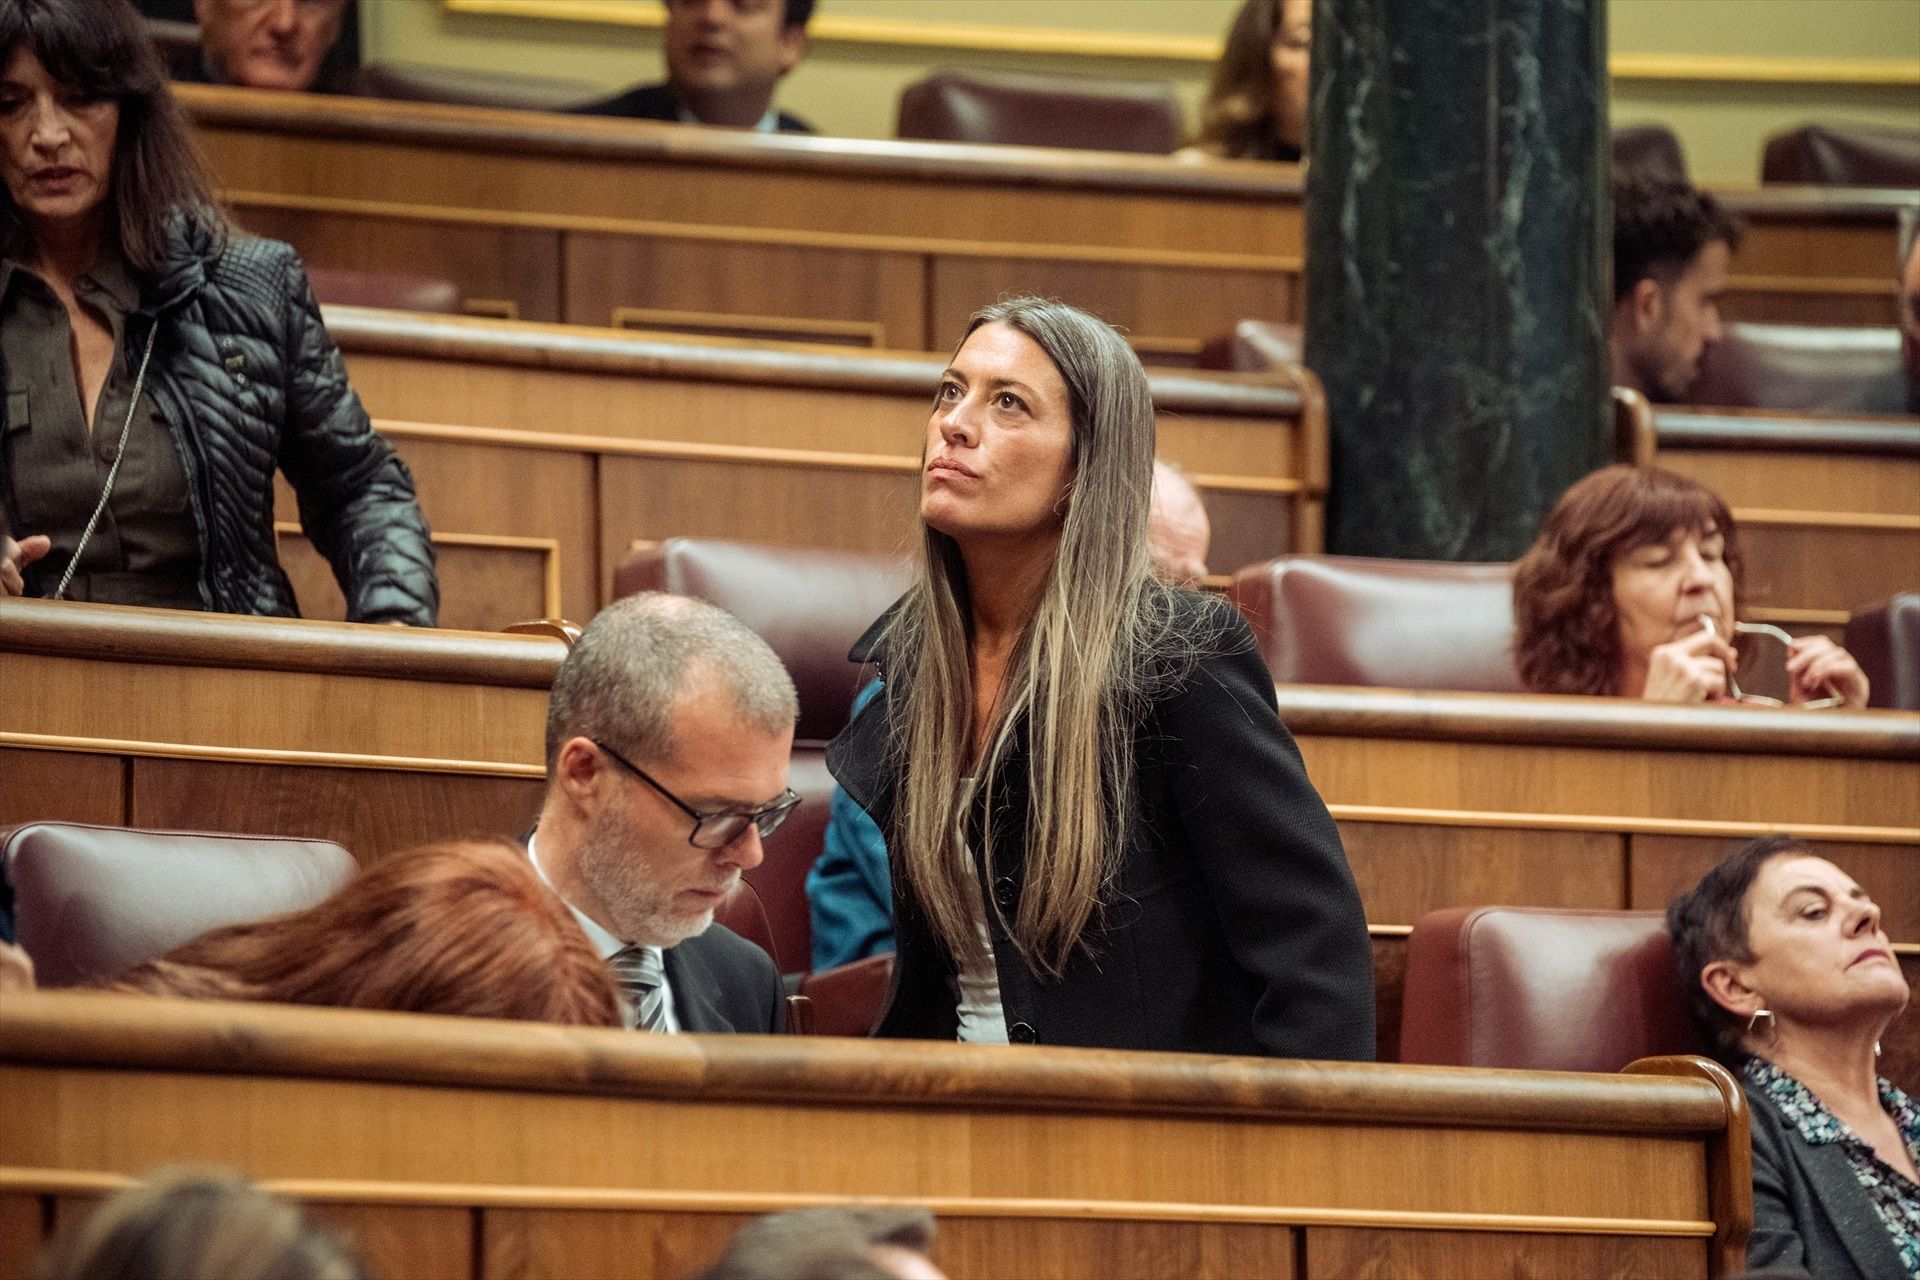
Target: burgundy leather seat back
(1404, 624)
(392, 290)
(1843, 155)
(1650, 150)
(808, 604)
(1024, 109)
(91, 901)
(1885, 641)
(1542, 989)
(1804, 368)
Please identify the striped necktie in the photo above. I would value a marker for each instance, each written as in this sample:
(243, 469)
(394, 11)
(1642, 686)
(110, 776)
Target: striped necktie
(641, 976)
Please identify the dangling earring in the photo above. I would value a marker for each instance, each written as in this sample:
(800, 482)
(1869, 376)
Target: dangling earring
(1757, 1015)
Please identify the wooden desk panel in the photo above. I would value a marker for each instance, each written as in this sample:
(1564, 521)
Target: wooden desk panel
(577, 1147)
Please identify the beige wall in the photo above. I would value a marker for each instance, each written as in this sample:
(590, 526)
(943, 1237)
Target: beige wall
(849, 87)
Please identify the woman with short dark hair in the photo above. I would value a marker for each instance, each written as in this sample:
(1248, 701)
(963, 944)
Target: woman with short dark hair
(1633, 589)
(158, 366)
(1787, 967)
(1101, 834)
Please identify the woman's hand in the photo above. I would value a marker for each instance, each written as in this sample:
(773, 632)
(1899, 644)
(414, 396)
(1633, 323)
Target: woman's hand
(1819, 668)
(15, 556)
(1691, 669)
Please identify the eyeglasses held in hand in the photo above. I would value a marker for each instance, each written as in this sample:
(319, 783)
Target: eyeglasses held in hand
(1759, 699)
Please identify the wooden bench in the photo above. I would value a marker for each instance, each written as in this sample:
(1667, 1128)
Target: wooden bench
(486, 1150)
(544, 452)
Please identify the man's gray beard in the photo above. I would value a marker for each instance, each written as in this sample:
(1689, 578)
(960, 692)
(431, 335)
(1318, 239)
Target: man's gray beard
(641, 913)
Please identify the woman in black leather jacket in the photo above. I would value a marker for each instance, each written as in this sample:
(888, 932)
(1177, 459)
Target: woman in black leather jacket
(158, 366)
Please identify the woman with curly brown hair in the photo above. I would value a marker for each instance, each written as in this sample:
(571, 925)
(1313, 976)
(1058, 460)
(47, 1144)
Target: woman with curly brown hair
(1632, 590)
(460, 928)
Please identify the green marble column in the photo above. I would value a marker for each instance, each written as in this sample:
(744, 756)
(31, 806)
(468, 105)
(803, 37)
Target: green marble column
(1456, 299)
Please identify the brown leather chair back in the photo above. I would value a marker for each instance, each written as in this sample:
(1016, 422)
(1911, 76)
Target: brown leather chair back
(1648, 150)
(178, 43)
(1804, 368)
(1017, 108)
(1543, 989)
(392, 290)
(1404, 624)
(90, 902)
(511, 91)
(744, 913)
(1885, 641)
(848, 999)
(1843, 155)
(809, 605)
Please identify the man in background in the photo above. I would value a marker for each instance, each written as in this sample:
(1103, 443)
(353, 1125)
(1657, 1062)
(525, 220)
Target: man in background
(725, 58)
(1672, 256)
(269, 44)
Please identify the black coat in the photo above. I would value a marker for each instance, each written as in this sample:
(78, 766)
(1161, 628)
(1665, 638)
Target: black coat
(1234, 924)
(722, 982)
(656, 102)
(248, 381)
(1810, 1214)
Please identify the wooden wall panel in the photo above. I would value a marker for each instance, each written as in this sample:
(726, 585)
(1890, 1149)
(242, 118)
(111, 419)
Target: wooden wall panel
(1250, 527)
(414, 1242)
(1166, 311)
(64, 786)
(1772, 300)
(1405, 870)
(491, 263)
(1840, 569)
(748, 288)
(22, 1226)
(533, 1244)
(1665, 866)
(845, 508)
(482, 588)
(1803, 479)
(372, 812)
(1335, 1253)
(976, 1248)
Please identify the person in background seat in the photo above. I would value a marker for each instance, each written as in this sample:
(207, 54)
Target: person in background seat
(725, 58)
(1256, 103)
(1673, 250)
(269, 44)
(1632, 590)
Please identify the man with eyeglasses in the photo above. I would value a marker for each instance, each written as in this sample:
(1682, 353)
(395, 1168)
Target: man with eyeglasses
(668, 738)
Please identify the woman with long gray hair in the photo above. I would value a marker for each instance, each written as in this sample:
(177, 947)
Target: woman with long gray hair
(1100, 832)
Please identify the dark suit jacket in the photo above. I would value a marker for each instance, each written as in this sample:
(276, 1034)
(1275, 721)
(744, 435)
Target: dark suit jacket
(1234, 925)
(722, 982)
(1810, 1214)
(656, 102)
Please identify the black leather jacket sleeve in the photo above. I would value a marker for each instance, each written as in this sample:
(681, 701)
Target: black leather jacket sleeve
(356, 497)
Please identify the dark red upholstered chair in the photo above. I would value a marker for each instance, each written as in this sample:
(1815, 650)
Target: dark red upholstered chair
(1538, 988)
(1404, 624)
(1885, 641)
(1648, 150)
(415, 82)
(809, 605)
(1017, 108)
(848, 999)
(1255, 346)
(392, 290)
(90, 902)
(1843, 155)
(1805, 368)
(178, 43)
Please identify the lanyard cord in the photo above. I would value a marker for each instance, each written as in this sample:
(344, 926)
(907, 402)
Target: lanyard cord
(119, 456)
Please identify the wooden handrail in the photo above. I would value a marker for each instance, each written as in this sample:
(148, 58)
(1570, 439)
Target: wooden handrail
(1558, 720)
(133, 1032)
(1768, 429)
(599, 138)
(69, 630)
(578, 348)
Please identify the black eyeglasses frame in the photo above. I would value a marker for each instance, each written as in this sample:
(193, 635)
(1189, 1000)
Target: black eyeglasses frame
(729, 822)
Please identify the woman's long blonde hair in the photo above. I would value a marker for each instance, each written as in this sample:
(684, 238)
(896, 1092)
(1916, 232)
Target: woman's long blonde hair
(1079, 678)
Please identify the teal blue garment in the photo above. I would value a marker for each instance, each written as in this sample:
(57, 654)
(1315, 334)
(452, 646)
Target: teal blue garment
(850, 889)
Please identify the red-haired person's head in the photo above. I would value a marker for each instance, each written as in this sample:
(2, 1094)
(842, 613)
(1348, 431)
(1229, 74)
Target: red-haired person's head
(1575, 629)
(466, 928)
